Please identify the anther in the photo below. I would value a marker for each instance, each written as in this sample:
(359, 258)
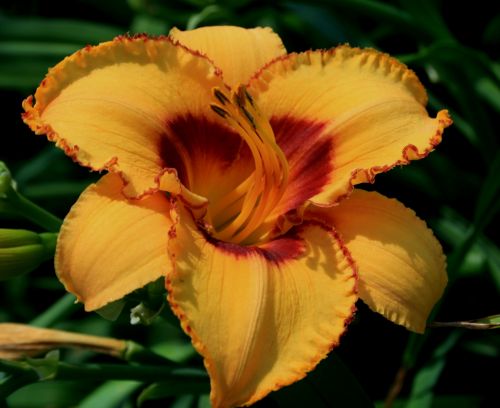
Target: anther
(219, 111)
(249, 117)
(220, 96)
(249, 97)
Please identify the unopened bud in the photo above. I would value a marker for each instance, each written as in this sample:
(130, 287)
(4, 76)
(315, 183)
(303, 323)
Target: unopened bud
(19, 340)
(22, 251)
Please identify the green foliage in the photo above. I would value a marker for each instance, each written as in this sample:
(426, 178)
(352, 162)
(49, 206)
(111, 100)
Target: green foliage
(457, 190)
(317, 389)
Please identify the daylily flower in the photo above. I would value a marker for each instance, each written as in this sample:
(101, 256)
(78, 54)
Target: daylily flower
(231, 173)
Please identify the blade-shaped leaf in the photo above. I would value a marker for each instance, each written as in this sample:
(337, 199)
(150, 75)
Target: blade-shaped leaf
(331, 384)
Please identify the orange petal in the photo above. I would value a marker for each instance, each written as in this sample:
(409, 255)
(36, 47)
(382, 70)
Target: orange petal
(402, 269)
(369, 107)
(262, 317)
(237, 51)
(109, 246)
(110, 106)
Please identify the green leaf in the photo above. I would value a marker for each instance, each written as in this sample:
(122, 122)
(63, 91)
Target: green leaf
(11, 384)
(110, 394)
(377, 10)
(487, 345)
(320, 19)
(176, 14)
(451, 228)
(425, 14)
(46, 367)
(61, 309)
(137, 353)
(422, 394)
(184, 401)
(488, 202)
(112, 310)
(492, 32)
(487, 206)
(39, 164)
(54, 394)
(442, 401)
(143, 23)
(56, 30)
(489, 91)
(29, 46)
(176, 350)
(492, 253)
(173, 387)
(204, 401)
(331, 384)
(34, 49)
(26, 372)
(55, 190)
(131, 372)
(23, 73)
(209, 13)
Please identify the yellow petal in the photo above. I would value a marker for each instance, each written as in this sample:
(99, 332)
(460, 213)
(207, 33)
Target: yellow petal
(262, 317)
(110, 106)
(401, 266)
(109, 246)
(237, 51)
(369, 107)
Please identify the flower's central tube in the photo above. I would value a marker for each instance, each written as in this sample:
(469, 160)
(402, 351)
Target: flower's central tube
(238, 215)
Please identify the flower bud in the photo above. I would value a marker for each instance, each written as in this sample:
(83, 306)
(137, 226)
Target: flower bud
(22, 251)
(20, 340)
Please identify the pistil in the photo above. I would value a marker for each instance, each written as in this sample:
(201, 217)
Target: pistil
(257, 195)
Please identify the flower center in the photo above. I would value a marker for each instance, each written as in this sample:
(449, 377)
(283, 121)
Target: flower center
(238, 215)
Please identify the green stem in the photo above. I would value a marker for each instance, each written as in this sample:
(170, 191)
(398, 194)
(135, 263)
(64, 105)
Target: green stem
(26, 208)
(145, 373)
(30, 371)
(59, 310)
(11, 201)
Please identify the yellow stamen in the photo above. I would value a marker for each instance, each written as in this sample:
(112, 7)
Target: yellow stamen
(259, 193)
(231, 198)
